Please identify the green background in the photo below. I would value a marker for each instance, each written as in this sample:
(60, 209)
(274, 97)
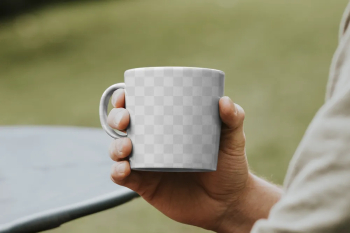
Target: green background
(56, 61)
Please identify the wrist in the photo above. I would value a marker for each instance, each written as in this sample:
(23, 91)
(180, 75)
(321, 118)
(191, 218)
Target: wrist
(253, 203)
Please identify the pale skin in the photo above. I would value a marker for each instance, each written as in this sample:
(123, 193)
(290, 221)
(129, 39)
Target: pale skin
(230, 199)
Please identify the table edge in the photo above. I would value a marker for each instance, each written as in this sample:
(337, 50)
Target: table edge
(54, 218)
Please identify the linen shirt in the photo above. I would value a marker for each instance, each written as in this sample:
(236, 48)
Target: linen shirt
(317, 185)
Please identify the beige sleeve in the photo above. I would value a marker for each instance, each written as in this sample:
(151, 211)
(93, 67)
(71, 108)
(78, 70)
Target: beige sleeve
(317, 185)
(317, 197)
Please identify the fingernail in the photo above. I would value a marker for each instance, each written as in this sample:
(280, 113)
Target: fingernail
(228, 98)
(121, 167)
(118, 116)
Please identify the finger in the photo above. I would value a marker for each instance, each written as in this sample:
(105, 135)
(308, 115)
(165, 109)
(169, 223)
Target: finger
(120, 149)
(232, 140)
(120, 171)
(144, 183)
(118, 118)
(121, 174)
(231, 114)
(118, 98)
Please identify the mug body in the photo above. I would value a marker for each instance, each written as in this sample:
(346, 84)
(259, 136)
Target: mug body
(174, 118)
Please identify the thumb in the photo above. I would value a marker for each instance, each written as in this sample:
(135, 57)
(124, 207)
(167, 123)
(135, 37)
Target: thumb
(232, 140)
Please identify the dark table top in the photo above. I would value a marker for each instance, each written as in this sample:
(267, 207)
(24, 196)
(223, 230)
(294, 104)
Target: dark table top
(51, 175)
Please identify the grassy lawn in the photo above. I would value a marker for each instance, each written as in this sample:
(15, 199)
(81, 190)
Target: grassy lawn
(56, 62)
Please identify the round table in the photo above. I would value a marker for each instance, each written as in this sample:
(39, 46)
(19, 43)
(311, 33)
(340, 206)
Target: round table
(52, 175)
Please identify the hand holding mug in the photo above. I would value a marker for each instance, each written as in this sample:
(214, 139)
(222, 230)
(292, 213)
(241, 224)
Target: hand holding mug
(204, 199)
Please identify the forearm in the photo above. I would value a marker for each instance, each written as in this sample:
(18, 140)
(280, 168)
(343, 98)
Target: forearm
(255, 204)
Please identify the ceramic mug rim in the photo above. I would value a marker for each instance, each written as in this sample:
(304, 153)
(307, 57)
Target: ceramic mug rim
(174, 67)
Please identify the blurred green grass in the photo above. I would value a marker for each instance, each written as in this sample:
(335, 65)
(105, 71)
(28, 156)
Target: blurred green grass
(56, 62)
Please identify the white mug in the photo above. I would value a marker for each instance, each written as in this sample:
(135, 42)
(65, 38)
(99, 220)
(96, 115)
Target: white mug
(174, 117)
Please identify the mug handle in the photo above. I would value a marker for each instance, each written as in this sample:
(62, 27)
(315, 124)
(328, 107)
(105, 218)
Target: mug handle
(103, 111)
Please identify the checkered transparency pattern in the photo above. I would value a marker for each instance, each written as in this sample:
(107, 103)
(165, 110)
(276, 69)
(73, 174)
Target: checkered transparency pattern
(174, 117)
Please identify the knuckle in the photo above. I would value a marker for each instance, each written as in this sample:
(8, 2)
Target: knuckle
(233, 151)
(233, 145)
